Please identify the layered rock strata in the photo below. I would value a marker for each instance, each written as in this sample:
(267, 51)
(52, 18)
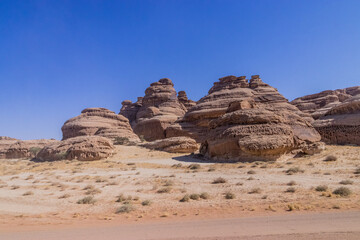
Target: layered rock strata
(82, 148)
(246, 120)
(99, 122)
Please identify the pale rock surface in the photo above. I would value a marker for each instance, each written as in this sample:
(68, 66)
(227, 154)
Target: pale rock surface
(320, 103)
(82, 148)
(99, 122)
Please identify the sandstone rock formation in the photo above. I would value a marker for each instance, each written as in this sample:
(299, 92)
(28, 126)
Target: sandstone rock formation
(241, 120)
(320, 103)
(174, 145)
(159, 108)
(129, 110)
(99, 122)
(341, 124)
(11, 148)
(182, 97)
(83, 148)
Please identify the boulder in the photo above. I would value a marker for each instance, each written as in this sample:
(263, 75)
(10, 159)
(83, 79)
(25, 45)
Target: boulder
(99, 122)
(174, 145)
(160, 108)
(11, 148)
(241, 120)
(82, 148)
(320, 103)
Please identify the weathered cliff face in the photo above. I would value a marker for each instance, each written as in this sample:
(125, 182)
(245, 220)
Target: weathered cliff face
(241, 120)
(160, 108)
(82, 148)
(341, 124)
(11, 148)
(98, 122)
(320, 103)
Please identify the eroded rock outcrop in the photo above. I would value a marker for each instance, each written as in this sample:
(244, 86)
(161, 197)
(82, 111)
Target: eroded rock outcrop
(341, 124)
(241, 120)
(11, 148)
(182, 97)
(174, 145)
(82, 148)
(130, 109)
(160, 108)
(319, 104)
(99, 122)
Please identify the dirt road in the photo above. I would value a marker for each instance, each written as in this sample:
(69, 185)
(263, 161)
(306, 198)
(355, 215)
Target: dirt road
(345, 225)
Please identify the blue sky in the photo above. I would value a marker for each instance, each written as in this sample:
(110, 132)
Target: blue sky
(59, 57)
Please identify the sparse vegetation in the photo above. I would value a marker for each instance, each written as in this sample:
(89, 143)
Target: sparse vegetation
(321, 188)
(346, 182)
(164, 190)
(342, 191)
(86, 200)
(28, 193)
(229, 195)
(204, 195)
(64, 196)
(121, 141)
(251, 172)
(255, 190)
(186, 198)
(126, 208)
(146, 203)
(219, 180)
(34, 150)
(194, 196)
(294, 170)
(290, 190)
(330, 158)
(357, 171)
(291, 183)
(194, 166)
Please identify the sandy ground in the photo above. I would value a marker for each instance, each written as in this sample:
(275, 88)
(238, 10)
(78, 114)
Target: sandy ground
(42, 194)
(329, 226)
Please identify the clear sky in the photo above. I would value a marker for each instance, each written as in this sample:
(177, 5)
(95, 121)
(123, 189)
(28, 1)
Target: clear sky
(59, 57)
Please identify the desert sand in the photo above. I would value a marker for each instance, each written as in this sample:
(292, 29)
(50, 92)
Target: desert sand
(44, 195)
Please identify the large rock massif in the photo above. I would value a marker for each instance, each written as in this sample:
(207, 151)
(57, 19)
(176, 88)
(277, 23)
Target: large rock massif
(319, 104)
(82, 148)
(11, 148)
(99, 122)
(159, 108)
(241, 120)
(337, 114)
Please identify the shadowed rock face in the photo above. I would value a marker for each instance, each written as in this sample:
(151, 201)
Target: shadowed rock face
(129, 110)
(159, 108)
(241, 120)
(174, 145)
(83, 148)
(11, 148)
(319, 104)
(99, 122)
